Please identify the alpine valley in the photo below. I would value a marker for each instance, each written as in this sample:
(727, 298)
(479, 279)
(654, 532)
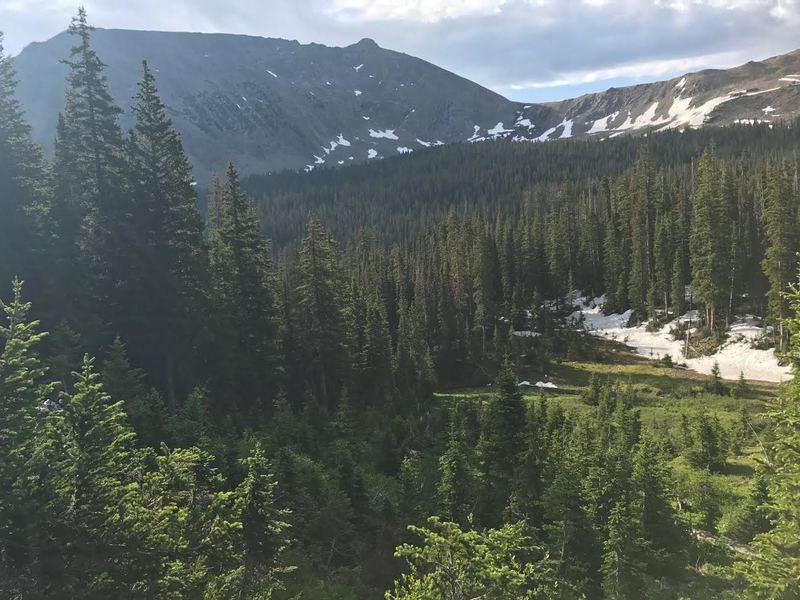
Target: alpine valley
(555, 358)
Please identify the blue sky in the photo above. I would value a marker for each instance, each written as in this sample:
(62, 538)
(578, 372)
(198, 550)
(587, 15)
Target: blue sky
(528, 50)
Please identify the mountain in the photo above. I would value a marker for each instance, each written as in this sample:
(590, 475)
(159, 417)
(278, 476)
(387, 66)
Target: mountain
(271, 104)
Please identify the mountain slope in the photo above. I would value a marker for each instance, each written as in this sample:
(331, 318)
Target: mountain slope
(755, 92)
(271, 104)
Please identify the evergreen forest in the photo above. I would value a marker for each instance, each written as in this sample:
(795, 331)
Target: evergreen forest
(306, 385)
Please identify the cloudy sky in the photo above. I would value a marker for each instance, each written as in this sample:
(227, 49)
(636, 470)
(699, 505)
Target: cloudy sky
(529, 50)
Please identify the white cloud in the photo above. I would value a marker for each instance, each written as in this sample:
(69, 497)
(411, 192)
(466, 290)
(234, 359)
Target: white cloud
(645, 70)
(507, 45)
(424, 10)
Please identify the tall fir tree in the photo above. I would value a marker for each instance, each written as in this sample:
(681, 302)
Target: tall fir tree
(92, 209)
(24, 188)
(170, 262)
(23, 392)
(708, 239)
(456, 488)
(772, 571)
(780, 259)
(501, 446)
(320, 312)
(245, 305)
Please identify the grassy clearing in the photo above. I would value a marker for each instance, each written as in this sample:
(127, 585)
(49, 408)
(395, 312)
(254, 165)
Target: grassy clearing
(663, 396)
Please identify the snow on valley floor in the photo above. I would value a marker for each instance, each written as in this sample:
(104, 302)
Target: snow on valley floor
(734, 357)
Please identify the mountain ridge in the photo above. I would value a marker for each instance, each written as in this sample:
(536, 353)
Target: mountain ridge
(270, 104)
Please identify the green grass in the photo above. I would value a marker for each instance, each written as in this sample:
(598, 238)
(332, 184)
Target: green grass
(662, 394)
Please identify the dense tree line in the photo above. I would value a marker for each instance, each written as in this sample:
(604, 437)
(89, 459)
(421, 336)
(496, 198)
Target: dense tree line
(638, 220)
(261, 424)
(401, 197)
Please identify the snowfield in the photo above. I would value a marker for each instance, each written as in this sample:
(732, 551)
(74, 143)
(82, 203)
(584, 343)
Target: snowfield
(734, 357)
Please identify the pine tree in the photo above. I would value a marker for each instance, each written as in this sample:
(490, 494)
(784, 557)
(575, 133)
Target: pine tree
(678, 284)
(622, 567)
(570, 535)
(24, 185)
(90, 118)
(772, 571)
(708, 450)
(23, 391)
(264, 529)
(664, 539)
(717, 386)
(741, 389)
(750, 517)
(707, 242)
(662, 256)
(455, 491)
(320, 312)
(501, 446)
(99, 490)
(486, 292)
(451, 564)
(170, 248)
(413, 364)
(93, 210)
(244, 302)
(375, 360)
(780, 260)
(643, 193)
(143, 406)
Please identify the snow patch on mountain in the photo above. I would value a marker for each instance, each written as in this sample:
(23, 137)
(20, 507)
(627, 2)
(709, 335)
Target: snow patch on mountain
(372, 153)
(385, 134)
(524, 123)
(498, 130)
(567, 133)
(601, 125)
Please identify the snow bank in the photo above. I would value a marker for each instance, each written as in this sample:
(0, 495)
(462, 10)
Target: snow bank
(734, 357)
